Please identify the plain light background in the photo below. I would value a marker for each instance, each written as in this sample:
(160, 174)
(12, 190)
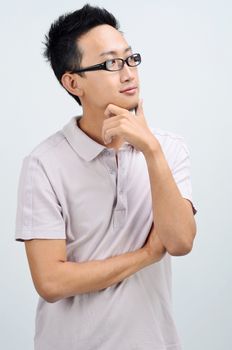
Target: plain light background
(186, 47)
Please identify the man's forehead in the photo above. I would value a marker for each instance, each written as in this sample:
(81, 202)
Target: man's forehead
(103, 40)
(115, 51)
(89, 55)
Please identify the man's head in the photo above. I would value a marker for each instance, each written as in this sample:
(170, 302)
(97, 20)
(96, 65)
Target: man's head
(80, 39)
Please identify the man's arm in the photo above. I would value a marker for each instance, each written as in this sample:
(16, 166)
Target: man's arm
(55, 278)
(173, 214)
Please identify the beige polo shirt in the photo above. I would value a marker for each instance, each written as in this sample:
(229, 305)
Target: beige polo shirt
(71, 188)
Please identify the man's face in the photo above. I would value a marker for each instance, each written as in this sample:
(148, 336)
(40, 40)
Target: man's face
(103, 87)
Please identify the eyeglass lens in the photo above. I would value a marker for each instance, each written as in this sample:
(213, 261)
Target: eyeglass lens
(117, 63)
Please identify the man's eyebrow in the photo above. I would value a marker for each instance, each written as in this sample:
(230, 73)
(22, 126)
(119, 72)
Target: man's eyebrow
(129, 48)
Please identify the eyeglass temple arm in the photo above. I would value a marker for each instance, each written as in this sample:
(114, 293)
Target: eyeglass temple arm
(96, 67)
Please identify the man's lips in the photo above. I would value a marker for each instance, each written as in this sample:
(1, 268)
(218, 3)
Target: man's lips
(129, 88)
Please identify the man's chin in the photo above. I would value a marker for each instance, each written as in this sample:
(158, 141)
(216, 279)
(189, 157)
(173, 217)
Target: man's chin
(129, 105)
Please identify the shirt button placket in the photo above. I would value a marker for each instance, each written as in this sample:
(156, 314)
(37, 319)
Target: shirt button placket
(121, 206)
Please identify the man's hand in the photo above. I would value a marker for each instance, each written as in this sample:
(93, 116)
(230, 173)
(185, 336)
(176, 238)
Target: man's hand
(131, 127)
(154, 247)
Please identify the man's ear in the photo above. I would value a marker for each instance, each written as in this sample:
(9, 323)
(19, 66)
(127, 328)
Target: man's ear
(70, 82)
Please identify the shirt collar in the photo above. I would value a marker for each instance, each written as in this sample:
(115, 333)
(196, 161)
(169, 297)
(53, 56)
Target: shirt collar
(84, 145)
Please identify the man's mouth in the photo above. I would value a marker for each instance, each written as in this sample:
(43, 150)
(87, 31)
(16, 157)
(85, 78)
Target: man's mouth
(129, 91)
(129, 88)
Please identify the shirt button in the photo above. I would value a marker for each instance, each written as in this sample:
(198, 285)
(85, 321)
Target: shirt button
(111, 171)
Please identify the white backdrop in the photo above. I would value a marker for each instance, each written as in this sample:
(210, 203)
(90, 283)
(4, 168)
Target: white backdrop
(186, 77)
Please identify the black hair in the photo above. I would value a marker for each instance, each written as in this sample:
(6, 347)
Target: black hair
(61, 42)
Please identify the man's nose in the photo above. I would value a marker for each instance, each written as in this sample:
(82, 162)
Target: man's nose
(127, 73)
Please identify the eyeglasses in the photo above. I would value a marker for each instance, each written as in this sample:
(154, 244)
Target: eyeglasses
(113, 64)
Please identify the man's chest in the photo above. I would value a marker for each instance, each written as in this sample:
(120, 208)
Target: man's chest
(108, 191)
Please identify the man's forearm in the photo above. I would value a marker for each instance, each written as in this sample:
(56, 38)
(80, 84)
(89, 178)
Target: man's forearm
(71, 278)
(173, 215)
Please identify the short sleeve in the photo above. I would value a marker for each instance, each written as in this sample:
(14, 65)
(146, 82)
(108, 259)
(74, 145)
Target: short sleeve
(181, 173)
(39, 214)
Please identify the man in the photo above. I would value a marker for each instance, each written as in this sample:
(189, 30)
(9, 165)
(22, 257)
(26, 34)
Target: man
(104, 202)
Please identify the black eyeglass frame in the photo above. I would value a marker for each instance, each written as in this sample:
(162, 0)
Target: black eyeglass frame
(103, 65)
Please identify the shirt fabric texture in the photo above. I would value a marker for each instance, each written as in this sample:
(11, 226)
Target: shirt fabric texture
(71, 188)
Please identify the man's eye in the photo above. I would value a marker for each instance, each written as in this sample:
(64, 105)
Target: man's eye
(112, 62)
(134, 58)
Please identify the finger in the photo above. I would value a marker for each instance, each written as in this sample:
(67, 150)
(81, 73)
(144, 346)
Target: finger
(112, 109)
(139, 110)
(112, 122)
(107, 126)
(110, 133)
(113, 119)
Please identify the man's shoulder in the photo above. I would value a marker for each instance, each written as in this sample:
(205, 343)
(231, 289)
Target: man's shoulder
(48, 146)
(171, 143)
(165, 135)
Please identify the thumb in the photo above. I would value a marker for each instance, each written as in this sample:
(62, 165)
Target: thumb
(139, 109)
